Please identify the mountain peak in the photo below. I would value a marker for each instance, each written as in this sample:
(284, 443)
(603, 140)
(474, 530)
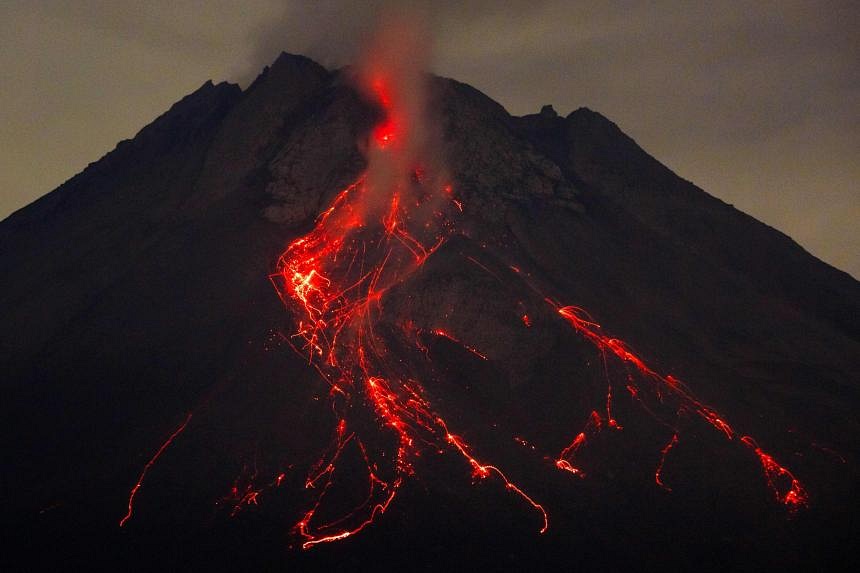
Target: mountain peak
(296, 60)
(548, 111)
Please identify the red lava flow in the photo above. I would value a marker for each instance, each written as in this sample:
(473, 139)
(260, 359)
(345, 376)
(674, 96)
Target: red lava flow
(334, 278)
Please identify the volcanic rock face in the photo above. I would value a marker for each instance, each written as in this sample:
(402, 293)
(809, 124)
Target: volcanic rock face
(138, 291)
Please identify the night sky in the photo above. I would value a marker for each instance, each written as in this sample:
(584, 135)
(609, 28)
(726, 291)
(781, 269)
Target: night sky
(756, 102)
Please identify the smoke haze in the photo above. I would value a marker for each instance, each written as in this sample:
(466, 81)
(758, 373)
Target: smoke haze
(392, 70)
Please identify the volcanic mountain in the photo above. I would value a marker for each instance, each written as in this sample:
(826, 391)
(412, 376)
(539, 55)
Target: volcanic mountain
(164, 405)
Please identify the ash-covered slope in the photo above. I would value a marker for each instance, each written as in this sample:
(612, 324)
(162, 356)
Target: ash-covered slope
(138, 292)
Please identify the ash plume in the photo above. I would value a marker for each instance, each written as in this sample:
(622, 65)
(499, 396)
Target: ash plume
(404, 152)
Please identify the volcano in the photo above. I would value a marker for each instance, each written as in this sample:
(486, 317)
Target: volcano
(249, 337)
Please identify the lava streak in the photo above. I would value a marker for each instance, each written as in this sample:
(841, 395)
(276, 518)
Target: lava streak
(668, 390)
(377, 233)
(148, 465)
(335, 278)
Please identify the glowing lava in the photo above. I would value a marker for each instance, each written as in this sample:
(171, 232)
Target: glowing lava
(336, 277)
(667, 389)
(148, 465)
(376, 234)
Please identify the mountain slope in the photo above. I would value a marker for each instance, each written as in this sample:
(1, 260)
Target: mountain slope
(138, 291)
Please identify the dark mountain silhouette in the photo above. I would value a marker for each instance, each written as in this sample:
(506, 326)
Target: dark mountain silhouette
(138, 292)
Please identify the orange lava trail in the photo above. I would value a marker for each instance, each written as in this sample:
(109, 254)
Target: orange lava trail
(444, 334)
(335, 279)
(658, 474)
(778, 477)
(148, 465)
(338, 304)
(377, 233)
(786, 488)
(482, 471)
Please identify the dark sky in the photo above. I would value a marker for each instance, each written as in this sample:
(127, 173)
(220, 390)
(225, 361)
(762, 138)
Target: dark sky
(756, 102)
